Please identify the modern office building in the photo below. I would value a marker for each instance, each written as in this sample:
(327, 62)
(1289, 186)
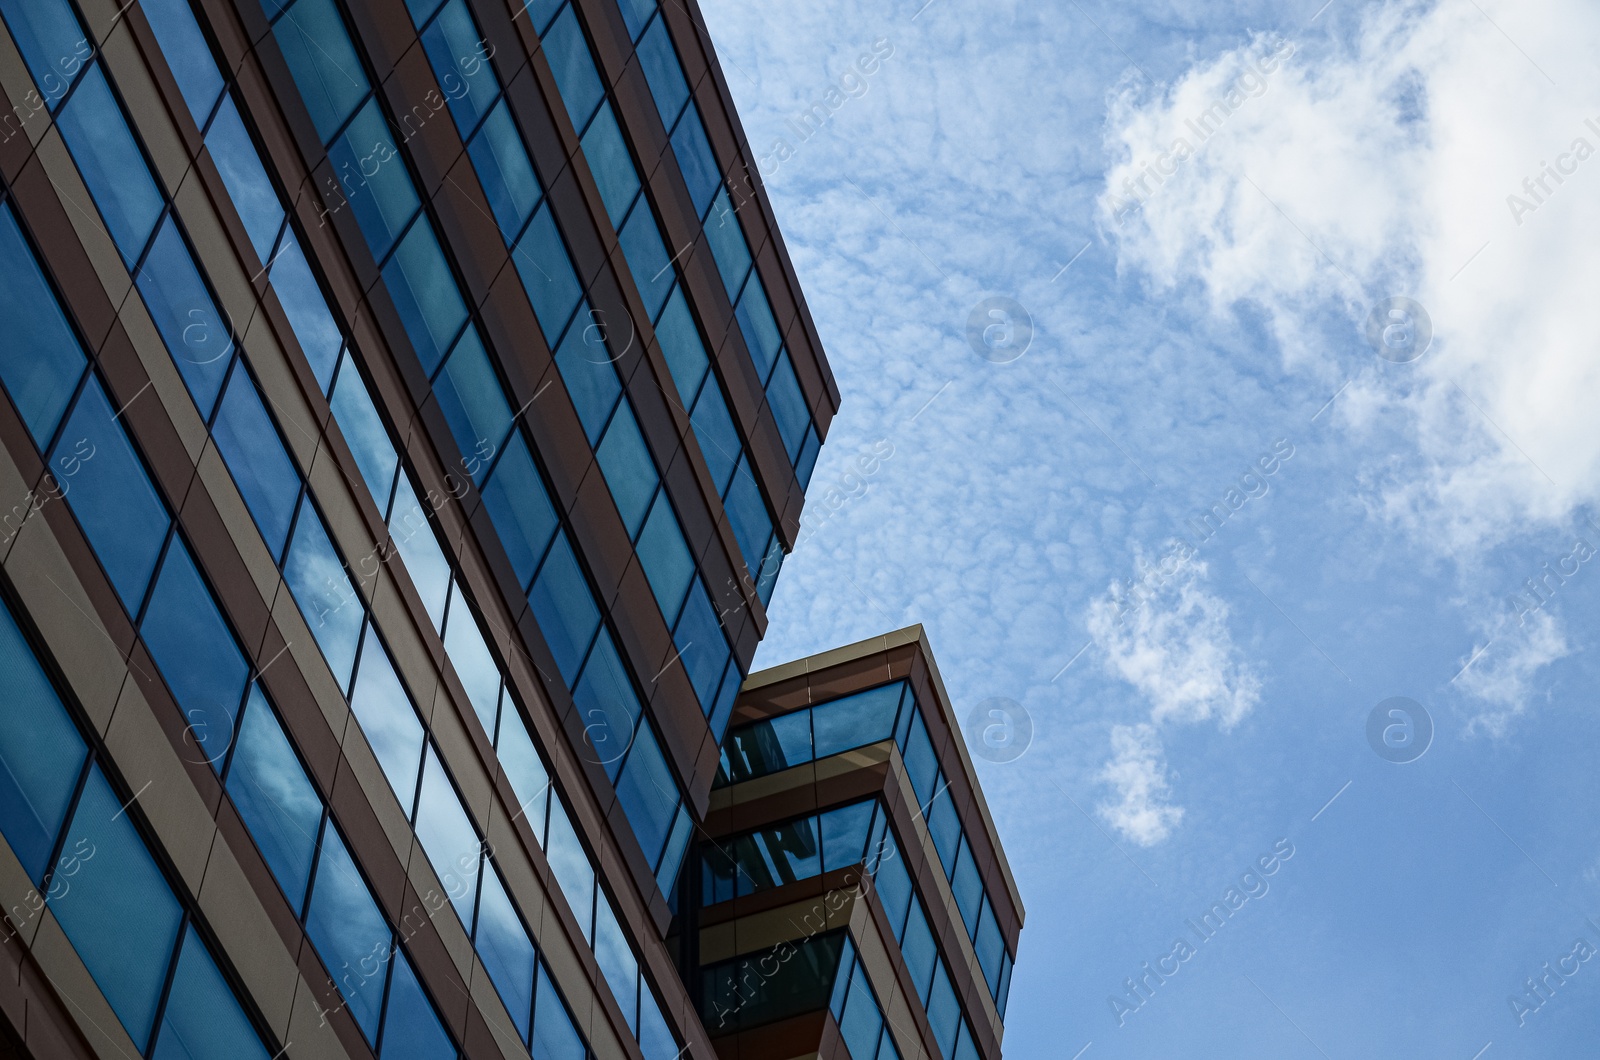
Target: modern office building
(405, 407)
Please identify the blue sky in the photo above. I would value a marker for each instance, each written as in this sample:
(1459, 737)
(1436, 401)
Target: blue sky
(1367, 151)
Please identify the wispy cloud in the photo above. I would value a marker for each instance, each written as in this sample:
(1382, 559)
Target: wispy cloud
(1143, 810)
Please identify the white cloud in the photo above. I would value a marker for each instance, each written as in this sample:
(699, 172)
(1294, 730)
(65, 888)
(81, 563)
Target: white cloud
(1137, 771)
(1502, 678)
(1386, 167)
(1168, 638)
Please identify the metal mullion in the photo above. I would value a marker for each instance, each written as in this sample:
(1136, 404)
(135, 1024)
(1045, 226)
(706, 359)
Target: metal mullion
(166, 985)
(60, 841)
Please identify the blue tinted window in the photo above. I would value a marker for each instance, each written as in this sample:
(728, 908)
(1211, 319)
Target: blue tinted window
(520, 509)
(40, 753)
(921, 764)
(944, 1012)
(190, 641)
(965, 1049)
(473, 403)
(788, 407)
(990, 945)
(322, 588)
(50, 41)
(464, 644)
(611, 164)
(701, 645)
(585, 363)
(456, 49)
(945, 826)
(571, 867)
(731, 680)
(844, 835)
(665, 558)
(110, 494)
(236, 158)
(275, 799)
(422, 9)
(202, 1019)
(1005, 985)
(919, 949)
(554, 1036)
(419, 548)
(655, 1037)
(647, 257)
(636, 13)
(863, 718)
(255, 456)
(841, 979)
(771, 745)
(507, 954)
(115, 907)
(425, 294)
(862, 1021)
(760, 330)
(719, 440)
(672, 858)
(41, 361)
(681, 345)
(199, 338)
(728, 247)
(364, 432)
(112, 167)
(770, 565)
(373, 179)
(747, 514)
(411, 1028)
(349, 932)
(504, 171)
(807, 461)
(607, 707)
(616, 960)
(547, 274)
(629, 471)
(573, 67)
(187, 54)
(523, 768)
(968, 887)
(322, 62)
(648, 795)
(698, 164)
(564, 607)
(447, 836)
(664, 72)
(893, 885)
(314, 327)
(389, 722)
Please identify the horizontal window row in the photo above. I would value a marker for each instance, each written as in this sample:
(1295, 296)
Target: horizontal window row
(786, 980)
(792, 851)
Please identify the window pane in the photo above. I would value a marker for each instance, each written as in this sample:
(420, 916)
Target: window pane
(681, 345)
(504, 171)
(862, 1021)
(965, 1049)
(456, 49)
(844, 835)
(573, 67)
(503, 946)
(113, 169)
(612, 166)
(968, 887)
(411, 1028)
(807, 461)
(346, 927)
(585, 363)
(893, 884)
(447, 836)
(663, 71)
(328, 601)
(607, 707)
(202, 1019)
(728, 247)
(520, 509)
(189, 639)
(666, 560)
(373, 179)
(918, 948)
(617, 962)
(854, 721)
(788, 406)
(564, 608)
(629, 471)
(719, 440)
(523, 768)
(771, 745)
(648, 795)
(990, 945)
(390, 723)
(425, 294)
(701, 646)
(944, 1012)
(236, 158)
(187, 54)
(655, 1037)
(945, 826)
(747, 513)
(698, 164)
(322, 62)
(473, 404)
(647, 256)
(307, 310)
(196, 335)
(761, 335)
(364, 433)
(41, 753)
(110, 494)
(115, 907)
(49, 39)
(636, 13)
(672, 856)
(249, 444)
(469, 653)
(547, 274)
(920, 762)
(1005, 985)
(554, 1036)
(419, 549)
(571, 867)
(731, 680)
(42, 362)
(841, 981)
(275, 799)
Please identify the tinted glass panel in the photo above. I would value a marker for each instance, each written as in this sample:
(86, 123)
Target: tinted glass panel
(389, 721)
(507, 954)
(504, 171)
(236, 158)
(665, 558)
(364, 433)
(585, 362)
(698, 164)
(921, 764)
(894, 890)
(680, 343)
(944, 1012)
(647, 257)
(346, 927)
(447, 836)
(568, 54)
(520, 509)
(109, 493)
(41, 361)
(919, 949)
(307, 310)
(648, 795)
(50, 41)
(456, 49)
(328, 601)
(411, 1029)
(611, 165)
(701, 646)
(274, 798)
(464, 644)
(616, 960)
(40, 753)
(255, 456)
(968, 887)
(197, 336)
(520, 759)
(607, 707)
(113, 169)
(565, 608)
(854, 721)
(844, 835)
(473, 403)
(425, 294)
(202, 1019)
(187, 54)
(628, 469)
(719, 441)
(323, 63)
(663, 71)
(554, 1036)
(373, 179)
(728, 247)
(788, 406)
(571, 866)
(862, 1021)
(419, 548)
(760, 330)
(547, 274)
(189, 639)
(115, 907)
(945, 826)
(752, 526)
(990, 946)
